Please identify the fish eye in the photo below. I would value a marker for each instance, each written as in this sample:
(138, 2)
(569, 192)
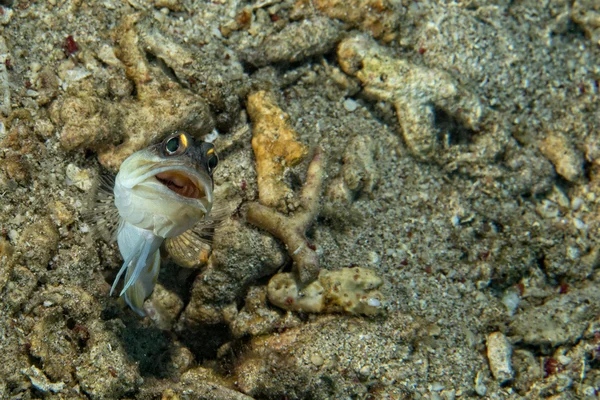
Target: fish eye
(172, 145)
(213, 159)
(175, 145)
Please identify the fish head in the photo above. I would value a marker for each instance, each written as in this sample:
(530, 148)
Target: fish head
(168, 186)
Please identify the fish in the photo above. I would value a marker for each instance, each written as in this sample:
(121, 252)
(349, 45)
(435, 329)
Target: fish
(161, 194)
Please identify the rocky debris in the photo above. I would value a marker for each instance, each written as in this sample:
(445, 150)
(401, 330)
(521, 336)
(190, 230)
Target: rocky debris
(173, 5)
(41, 382)
(5, 102)
(163, 307)
(74, 345)
(197, 383)
(586, 13)
(20, 144)
(380, 18)
(442, 121)
(255, 318)
(499, 353)
(211, 72)
(424, 97)
(350, 290)
(359, 172)
(561, 153)
(258, 318)
(459, 249)
(560, 320)
(79, 177)
(86, 122)
(161, 106)
(108, 372)
(527, 370)
(6, 258)
(57, 351)
(21, 284)
(294, 43)
(571, 259)
(300, 362)
(240, 256)
(276, 148)
(37, 244)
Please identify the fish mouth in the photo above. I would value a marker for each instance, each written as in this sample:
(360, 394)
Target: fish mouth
(185, 183)
(188, 183)
(181, 184)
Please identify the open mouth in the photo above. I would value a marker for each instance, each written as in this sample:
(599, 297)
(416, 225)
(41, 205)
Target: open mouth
(181, 184)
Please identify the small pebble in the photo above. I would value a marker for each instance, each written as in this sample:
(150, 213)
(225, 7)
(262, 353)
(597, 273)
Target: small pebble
(589, 391)
(448, 394)
(579, 224)
(573, 253)
(564, 360)
(76, 74)
(35, 66)
(455, 220)
(511, 301)
(576, 203)
(373, 302)
(365, 371)
(79, 177)
(6, 15)
(316, 359)
(350, 105)
(13, 235)
(499, 352)
(374, 258)
(481, 390)
(61, 214)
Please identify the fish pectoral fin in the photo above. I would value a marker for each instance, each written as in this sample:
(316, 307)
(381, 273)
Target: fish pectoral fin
(192, 247)
(188, 248)
(142, 287)
(101, 214)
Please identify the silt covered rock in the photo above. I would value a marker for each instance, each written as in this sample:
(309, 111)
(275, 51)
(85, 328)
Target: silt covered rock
(351, 290)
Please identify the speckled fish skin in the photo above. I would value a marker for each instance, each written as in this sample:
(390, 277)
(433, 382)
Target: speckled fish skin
(160, 192)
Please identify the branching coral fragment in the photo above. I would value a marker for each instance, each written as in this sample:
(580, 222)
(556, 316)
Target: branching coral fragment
(291, 229)
(276, 147)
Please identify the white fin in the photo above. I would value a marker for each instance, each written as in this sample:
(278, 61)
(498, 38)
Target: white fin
(143, 286)
(140, 250)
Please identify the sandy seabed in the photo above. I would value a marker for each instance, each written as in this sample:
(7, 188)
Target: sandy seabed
(438, 162)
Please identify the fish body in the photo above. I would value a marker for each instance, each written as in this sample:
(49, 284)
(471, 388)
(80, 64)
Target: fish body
(161, 193)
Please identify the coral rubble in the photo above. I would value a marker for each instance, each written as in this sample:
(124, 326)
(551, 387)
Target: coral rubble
(276, 148)
(351, 290)
(461, 184)
(418, 93)
(292, 229)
